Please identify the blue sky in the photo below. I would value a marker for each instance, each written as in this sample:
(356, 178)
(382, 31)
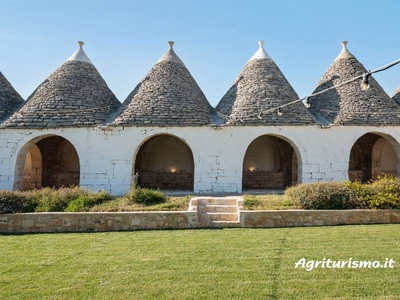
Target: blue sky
(214, 38)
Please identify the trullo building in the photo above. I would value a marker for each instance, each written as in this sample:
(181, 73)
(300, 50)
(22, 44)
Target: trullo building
(73, 131)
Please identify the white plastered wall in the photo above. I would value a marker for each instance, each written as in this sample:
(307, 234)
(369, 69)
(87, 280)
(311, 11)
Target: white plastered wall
(107, 156)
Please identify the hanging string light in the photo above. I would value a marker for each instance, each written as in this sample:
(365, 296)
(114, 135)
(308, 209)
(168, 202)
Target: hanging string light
(365, 82)
(364, 86)
(307, 104)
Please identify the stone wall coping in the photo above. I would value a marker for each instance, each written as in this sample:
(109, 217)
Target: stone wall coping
(323, 210)
(98, 213)
(128, 221)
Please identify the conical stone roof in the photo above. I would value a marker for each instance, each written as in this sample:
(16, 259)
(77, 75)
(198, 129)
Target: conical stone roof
(396, 95)
(75, 95)
(258, 91)
(10, 100)
(349, 104)
(167, 96)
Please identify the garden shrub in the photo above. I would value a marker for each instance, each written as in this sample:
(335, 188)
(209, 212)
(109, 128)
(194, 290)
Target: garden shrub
(250, 201)
(363, 191)
(85, 202)
(146, 196)
(15, 202)
(82, 203)
(385, 193)
(51, 199)
(46, 204)
(325, 195)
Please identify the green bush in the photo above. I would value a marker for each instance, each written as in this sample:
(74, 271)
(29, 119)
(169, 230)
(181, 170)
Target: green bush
(383, 193)
(362, 190)
(250, 201)
(146, 196)
(386, 193)
(85, 202)
(51, 199)
(325, 195)
(15, 202)
(82, 203)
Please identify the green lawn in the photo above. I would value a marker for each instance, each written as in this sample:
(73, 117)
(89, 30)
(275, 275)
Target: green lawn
(200, 264)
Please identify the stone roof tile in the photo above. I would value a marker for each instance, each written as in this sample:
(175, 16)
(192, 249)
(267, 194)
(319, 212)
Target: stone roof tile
(75, 95)
(10, 100)
(167, 96)
(396, 95)
(261, 87)
(349, 104)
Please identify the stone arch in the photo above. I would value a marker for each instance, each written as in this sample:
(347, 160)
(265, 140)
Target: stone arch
(373, 154)
(270, 162)
(47, 161)
(165, 162)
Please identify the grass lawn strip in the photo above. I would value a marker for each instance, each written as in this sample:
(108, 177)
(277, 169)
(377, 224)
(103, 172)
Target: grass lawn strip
(199, 264)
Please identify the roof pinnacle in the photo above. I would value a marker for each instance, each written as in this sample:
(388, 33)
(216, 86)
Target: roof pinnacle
(344, 53)
(170, 55)
(80, 55)
(261, 53)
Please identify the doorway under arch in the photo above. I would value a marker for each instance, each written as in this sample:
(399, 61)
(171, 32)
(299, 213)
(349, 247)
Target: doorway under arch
(165, 162)
(270, 162)
(33, 169)
(372, 155)
(50, 162)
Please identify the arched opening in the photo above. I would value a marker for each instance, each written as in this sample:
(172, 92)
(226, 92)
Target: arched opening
(372, 155)
(51, 162)
(269, 163)
(165, 162)
(33, 169)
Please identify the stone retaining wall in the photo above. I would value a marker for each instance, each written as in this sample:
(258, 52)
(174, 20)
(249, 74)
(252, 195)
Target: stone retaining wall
(118, 221)
(291, 218)
(75, 222)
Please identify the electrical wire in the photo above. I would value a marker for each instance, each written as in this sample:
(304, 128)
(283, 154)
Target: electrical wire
(278, 108)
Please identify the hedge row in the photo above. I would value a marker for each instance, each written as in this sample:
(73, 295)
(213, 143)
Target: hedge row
(50, 199)
(72, 199)
(383, 193)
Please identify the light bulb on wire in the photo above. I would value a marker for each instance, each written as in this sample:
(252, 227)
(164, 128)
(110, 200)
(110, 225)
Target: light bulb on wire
(365, 82)
(279, 111)
(307, 104)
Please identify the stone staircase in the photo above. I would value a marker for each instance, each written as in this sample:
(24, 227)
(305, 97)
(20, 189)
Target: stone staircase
(217, 211)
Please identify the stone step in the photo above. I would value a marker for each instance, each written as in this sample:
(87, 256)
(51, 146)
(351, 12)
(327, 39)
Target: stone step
(213, 201)
(219, 201)
(220, 208)
(222, 217)
(226, 224)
